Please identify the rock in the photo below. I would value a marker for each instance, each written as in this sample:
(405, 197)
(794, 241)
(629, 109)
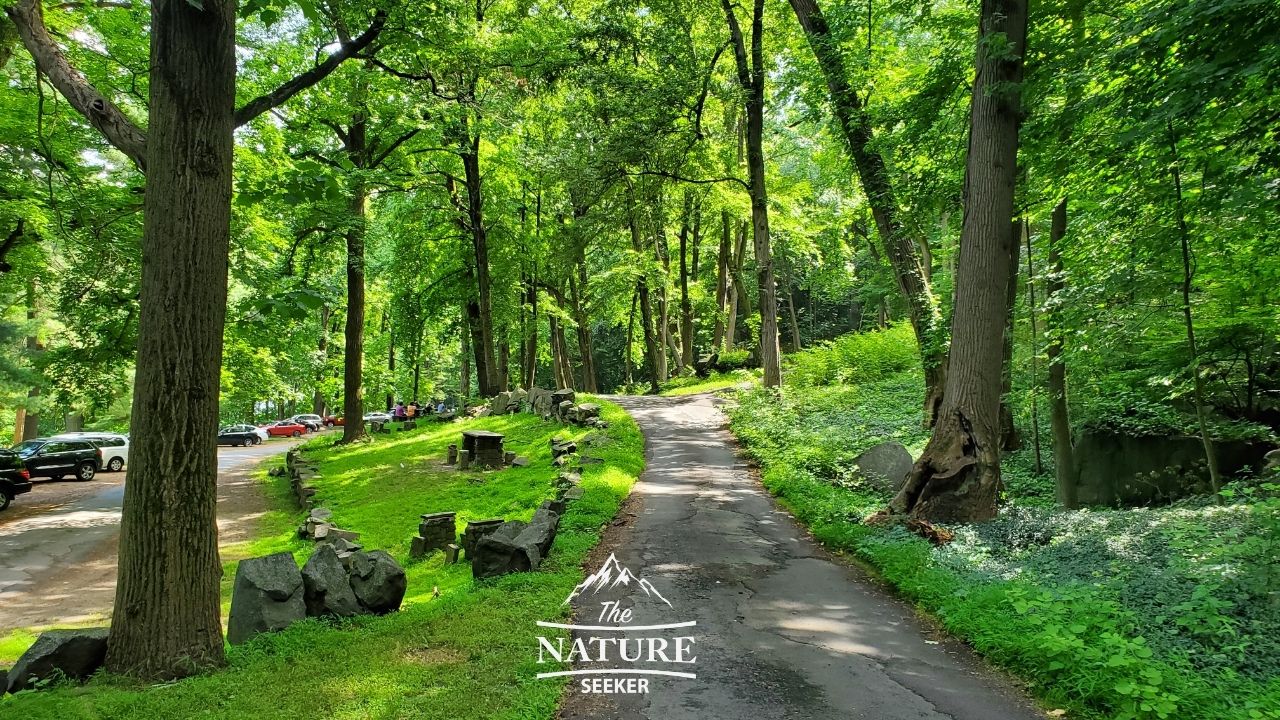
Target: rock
(559, 398)
(569, 478)
(588, 460)
(434, 532)
(539, 401)
(409, 425)
(320, 513)
(475, 530)
(516, 546)
(498, 404)
(451, 458)
(343, 545)
(520, 461)
(555, 506)
(451, 553)
(574, 493)
(76, 654)
(464, 460)
(336, 533)
(885, 466)
(702, 366)
(1272, 459)
(562, 447)
(320, 531)
(517, 398)
(564, 411)
(378, 581)
(1132, 470)
(267, 596)
(326, 586)
(508, 457)
(587, 411)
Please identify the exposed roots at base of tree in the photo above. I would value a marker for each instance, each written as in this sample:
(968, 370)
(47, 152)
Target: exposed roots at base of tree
(935, 534)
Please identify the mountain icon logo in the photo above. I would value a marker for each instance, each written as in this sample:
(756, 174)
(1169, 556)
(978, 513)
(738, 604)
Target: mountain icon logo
(613, 574)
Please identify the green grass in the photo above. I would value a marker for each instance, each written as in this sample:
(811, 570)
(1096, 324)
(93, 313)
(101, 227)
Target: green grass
(469, 653)
(693, 385)
(1146, 613)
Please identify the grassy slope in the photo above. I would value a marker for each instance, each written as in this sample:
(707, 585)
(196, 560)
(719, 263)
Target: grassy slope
(1099, 610)
(468, 653)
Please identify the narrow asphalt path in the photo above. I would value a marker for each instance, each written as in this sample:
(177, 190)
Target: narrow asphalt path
(58, 559)
(783, 630)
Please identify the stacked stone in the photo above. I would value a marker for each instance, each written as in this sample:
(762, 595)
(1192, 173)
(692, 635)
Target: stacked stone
(483, 448)
(319, 528)
(475, 530)
(516, 546)
(300, 473)
(437, 531)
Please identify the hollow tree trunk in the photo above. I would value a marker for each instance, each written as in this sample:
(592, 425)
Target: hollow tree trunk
(872, 171)
(166, 621)
(957, 479)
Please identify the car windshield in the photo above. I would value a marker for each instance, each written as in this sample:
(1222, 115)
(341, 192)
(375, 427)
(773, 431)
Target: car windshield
(27, 448)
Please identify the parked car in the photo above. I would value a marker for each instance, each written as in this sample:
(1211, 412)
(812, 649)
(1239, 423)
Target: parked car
(240, 435)
(313, 422)
(114, 447)
(57, 458)
(377, 417)
(332, 420)
(286, 428)
(15, 479)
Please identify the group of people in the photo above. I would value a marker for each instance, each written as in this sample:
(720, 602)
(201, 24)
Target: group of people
(402, 412)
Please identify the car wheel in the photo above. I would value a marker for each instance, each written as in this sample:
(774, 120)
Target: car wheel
(85, 472)
(115, 464)
(296, 433)
(5, 498)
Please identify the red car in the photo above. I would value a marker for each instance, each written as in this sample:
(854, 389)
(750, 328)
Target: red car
(286, 428)
(332, 420)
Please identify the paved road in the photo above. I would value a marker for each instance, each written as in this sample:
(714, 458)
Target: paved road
(783, 631)
(58, 542)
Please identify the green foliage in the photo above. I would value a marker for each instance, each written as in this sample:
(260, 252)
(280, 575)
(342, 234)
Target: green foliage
(855, 358)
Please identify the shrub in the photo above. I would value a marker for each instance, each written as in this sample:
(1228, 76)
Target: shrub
(855, 358)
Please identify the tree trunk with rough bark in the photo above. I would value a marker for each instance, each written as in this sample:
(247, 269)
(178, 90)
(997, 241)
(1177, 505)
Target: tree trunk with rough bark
(166, 618)
(1009, 439)
(322, 347)
(957, 479)
(686, 306)
(899, 246)
(651, 348)
(751, 77)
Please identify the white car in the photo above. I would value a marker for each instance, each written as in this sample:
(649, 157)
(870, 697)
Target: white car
(377, 417)
(114, 447)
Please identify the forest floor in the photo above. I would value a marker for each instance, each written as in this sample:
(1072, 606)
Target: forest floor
(783, 630)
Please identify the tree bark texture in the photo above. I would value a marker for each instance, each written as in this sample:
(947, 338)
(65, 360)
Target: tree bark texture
(751, 76)
(166, 619)
(872, 171)
(957, 479)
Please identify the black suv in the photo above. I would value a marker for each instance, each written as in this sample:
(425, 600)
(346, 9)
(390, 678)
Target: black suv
(57, 458)
(14, 477)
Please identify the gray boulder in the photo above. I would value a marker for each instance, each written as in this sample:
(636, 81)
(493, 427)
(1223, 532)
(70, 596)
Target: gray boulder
(498, 404)
(75, 654)
(564, 411)
(540, 402)
(378, 581)
(516, 546)
(885, 466)
(586, 411)
(326, 586)
(267, 596)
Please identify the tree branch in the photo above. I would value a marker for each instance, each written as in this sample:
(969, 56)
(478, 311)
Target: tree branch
(14, 236)
(679, 178)
(392, 147)
(263, 103)
(118, 129)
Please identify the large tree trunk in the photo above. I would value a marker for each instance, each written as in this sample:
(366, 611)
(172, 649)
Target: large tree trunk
(751, 75)
(739, 301)
(722, 284)
(464, 360)
(664, 314)
(913, 282)
(486, 365)
(166, 620)
(1034, 347)
(1059, 419)
(28, 425)
(957, 479)
(353, 351)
